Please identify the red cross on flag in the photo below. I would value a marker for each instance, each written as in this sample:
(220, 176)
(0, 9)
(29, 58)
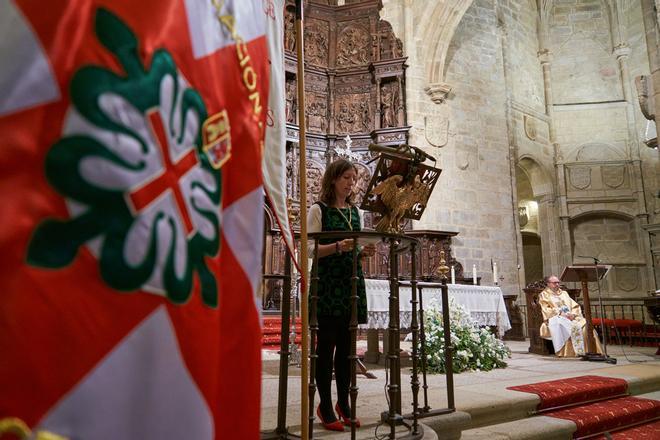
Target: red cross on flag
(132, 217)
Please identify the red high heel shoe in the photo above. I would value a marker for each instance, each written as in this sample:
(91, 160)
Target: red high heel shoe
(346, 420)
(332, 426)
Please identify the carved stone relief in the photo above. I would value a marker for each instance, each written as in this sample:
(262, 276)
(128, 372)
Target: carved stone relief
(627, 278)
(462, 159)
(353, 114)
(613, 175)
(316, 42)
(436, 129)
(530, 127)
(353, 46)
(596, 152)
(579, 177)
(317, 113)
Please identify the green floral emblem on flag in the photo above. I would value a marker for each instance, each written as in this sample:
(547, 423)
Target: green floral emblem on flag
(142, 196)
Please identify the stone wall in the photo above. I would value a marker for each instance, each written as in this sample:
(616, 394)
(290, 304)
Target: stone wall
(476, 89)
(583, 67)
(468, 133)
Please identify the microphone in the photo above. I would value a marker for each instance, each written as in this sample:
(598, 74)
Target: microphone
(590, 257)
(405, 151)
(422, 153)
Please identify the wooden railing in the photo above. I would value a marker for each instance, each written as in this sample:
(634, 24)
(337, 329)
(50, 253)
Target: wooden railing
(617, 308)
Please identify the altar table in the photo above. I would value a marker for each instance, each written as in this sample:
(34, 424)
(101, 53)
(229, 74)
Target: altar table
(485, 304)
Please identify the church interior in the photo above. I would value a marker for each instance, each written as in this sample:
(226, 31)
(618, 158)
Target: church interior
(541, 115)
(535, 113)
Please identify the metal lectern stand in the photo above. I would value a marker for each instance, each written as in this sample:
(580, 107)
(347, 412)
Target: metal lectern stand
(585, 274)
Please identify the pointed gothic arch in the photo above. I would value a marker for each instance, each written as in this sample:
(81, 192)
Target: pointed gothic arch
(438, 29)
(539, 178)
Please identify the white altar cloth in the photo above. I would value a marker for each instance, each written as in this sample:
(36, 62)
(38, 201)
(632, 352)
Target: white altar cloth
(484, 303)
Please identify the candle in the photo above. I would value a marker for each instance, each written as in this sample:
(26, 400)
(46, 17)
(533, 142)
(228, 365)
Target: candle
(453, 275)
(494, 273)
(474, 274)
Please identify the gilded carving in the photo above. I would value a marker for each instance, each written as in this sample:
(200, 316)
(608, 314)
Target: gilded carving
(353, 46)
(579, 177)
(316, 42)
(613, 175)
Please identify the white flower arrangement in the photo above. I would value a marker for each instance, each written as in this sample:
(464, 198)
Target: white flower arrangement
(475, 348)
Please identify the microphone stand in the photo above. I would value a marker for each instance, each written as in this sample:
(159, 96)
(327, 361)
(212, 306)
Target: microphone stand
(604, 357)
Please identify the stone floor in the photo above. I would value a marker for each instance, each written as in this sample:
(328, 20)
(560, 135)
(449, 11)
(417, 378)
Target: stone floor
(481, 394)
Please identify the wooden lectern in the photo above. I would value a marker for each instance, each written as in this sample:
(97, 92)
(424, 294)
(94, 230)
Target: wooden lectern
(585, 274)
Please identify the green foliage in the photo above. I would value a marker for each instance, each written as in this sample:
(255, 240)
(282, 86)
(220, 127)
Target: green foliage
(475, 349)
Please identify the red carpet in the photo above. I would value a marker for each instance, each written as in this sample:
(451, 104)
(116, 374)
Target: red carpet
(648, 431)
(272, 332)
(608, 415)
(574, 390)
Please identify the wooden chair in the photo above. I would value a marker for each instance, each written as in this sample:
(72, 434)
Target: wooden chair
(537, 344)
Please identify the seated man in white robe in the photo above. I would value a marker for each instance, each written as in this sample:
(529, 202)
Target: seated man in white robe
(563, 322)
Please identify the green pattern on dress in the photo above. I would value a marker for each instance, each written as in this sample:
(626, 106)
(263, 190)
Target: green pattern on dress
(335, 270)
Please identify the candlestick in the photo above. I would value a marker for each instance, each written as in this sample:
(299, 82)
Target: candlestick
(453, 275)
(474, 274)
(494, 273)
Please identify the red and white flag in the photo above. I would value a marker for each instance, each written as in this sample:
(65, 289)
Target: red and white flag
(131, 219)
(274, 167)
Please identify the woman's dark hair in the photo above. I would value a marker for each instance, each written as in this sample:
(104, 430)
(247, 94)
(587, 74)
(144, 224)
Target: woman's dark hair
(335, 170)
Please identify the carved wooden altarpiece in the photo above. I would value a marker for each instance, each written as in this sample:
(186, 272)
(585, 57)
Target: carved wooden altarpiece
(354, 85)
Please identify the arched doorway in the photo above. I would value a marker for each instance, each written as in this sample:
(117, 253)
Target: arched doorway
(537, 220)
(533, 257)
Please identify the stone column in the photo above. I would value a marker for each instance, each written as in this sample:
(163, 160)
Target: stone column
(513, 156)
(545, 57)
(622, 52)
(551, 235)
(555, 235)
(651, 17)
(651, 21)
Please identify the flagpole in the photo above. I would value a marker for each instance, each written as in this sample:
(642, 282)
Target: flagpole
(304, 312)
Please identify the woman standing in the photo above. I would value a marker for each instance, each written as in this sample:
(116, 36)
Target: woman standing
(335, 212)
